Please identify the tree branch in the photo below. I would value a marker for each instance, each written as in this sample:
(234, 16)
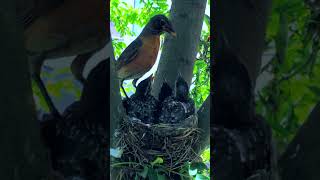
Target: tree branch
(116, 108)
(179, 54)
(204, 123)
(241, 27)
(22, 155)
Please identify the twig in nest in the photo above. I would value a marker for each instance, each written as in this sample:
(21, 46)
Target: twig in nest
(143, 143)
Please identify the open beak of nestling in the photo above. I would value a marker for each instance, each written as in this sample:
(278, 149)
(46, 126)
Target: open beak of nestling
(170, 30)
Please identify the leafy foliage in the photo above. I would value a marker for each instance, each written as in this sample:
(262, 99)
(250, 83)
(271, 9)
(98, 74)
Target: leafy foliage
(201, 71)
(56, 88)
(288, 98)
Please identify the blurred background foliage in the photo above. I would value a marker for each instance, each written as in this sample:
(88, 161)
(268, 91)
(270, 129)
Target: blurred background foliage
(128, 17)
(290, 71)
(61, 86)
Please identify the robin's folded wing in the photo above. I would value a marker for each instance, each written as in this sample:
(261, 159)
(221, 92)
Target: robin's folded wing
(129, 53)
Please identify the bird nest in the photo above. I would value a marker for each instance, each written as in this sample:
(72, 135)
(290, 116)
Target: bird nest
(143, 143)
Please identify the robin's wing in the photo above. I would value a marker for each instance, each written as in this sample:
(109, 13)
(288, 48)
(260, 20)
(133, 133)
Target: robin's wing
(129, 53)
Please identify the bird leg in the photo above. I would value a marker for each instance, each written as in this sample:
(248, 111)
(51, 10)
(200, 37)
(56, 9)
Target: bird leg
(36, 65)
(78, 64)
(121, 84)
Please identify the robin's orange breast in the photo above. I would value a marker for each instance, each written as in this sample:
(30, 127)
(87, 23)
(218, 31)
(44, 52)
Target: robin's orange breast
(144, 61)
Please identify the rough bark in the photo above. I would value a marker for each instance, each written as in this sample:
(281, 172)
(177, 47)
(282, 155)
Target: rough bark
(241, 27)
(301, 159)
(116, 108)
(179, 54)
(204, 122)
(22, 155)
(240, 30)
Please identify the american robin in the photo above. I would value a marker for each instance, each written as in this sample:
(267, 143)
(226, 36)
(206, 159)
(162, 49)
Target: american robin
(142, 105)
(74, 27)
(139, 57)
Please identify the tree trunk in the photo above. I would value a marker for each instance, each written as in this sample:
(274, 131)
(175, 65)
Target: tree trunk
(240, 31)
(179, 54)
(241, 27)
(116, 108)
(301, 159)
(22, 155)
(204, 123)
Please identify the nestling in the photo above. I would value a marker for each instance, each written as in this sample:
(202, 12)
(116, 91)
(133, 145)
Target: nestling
(142, 105)
(176, 108)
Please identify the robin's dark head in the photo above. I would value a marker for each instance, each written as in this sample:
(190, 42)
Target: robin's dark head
(182, 89)
(159, 24)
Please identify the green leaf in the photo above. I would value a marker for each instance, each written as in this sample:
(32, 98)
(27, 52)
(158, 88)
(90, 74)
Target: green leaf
(206, 155)
(201, 177)
(200, 166)
(152, 174)
(158, 160)
(193, 172)
(136, 177)
(145, 171)
(315, 90)
(207, 20)
(161, 177)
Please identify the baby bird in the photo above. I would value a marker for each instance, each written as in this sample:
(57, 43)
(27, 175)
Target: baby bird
(176, 108)
(142, 105)
(79, 140)
(165, 92)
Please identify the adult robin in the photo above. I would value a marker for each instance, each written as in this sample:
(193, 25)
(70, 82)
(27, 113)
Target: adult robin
(139, 57)
(73, 27)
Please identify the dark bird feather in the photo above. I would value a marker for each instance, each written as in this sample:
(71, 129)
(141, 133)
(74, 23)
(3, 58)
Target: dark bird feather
(178, 107)
(129, 53)
(233, 96)
(182, 89)
(165, 92)
(142, 105)
(79, 140)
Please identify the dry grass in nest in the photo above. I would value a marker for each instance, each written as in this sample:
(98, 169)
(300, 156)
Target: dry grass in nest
(142, 143)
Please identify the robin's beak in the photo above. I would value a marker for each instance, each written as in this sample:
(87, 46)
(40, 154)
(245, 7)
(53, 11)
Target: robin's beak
(170, 30)
(174, 34)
